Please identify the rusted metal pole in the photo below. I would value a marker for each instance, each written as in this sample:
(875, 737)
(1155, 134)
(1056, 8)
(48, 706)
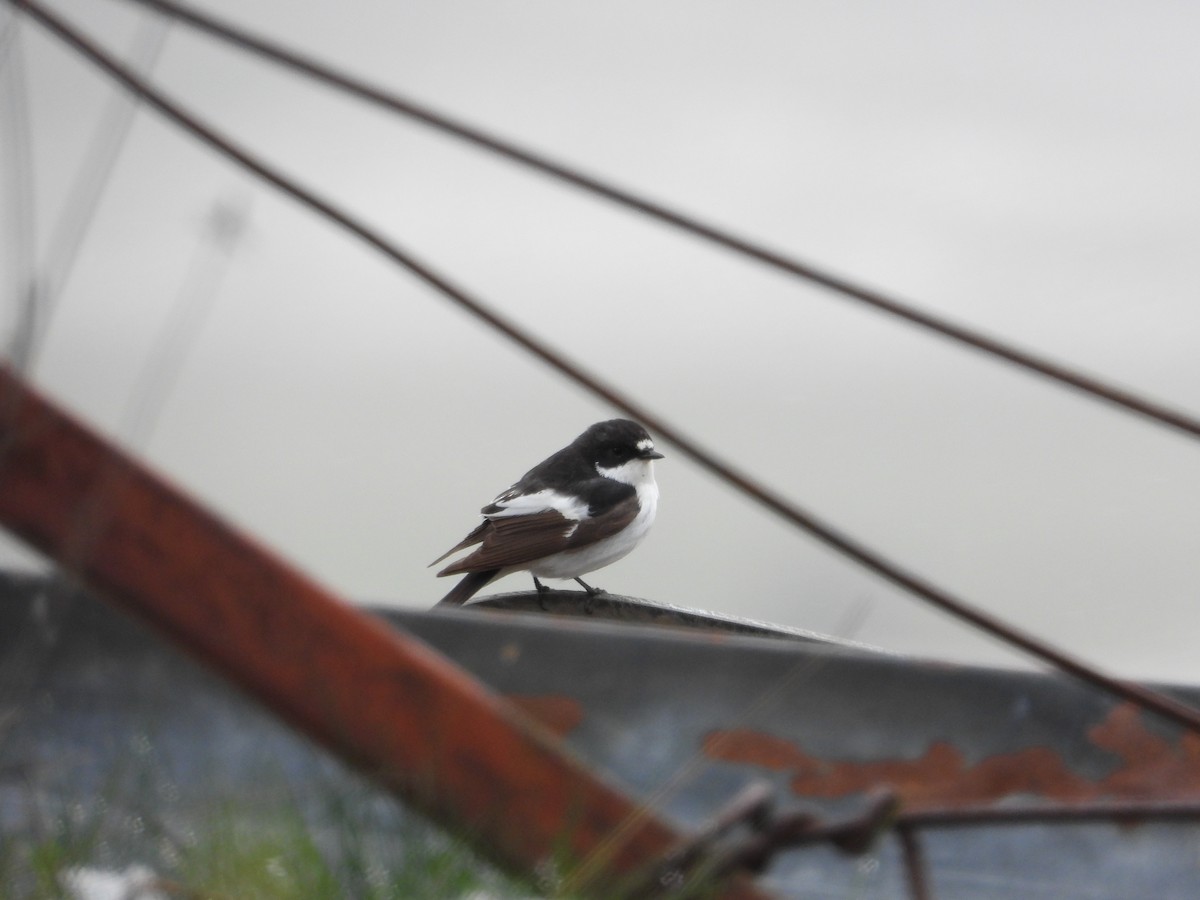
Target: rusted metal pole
(914, 864)
(380, 699)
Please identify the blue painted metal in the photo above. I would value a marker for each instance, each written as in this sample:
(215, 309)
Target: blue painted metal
(92, 707)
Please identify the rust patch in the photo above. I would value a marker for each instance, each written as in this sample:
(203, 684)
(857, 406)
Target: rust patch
(562, 715)
(1153, 768)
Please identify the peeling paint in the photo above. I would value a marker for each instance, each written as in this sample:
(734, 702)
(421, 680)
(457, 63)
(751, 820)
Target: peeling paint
(1152, 768)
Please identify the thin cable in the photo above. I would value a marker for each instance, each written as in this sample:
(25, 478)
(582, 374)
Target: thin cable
(18, 178)
(1124, 812)
(1160, 703)
(915, 869)
(168, 354)
(8, 35)
(93, 177)
(1031, 362)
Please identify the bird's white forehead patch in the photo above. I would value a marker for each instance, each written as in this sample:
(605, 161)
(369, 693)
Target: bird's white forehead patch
(645, 444)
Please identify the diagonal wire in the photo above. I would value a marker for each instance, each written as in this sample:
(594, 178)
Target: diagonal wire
(18, 186)
(223, 230)
(8, 38)
(87, 189)
(1164, 705)
(881, 302)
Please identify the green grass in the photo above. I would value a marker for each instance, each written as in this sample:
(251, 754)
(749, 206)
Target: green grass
(331, 835)
(257, 859)
(243, 852)
(257, 833)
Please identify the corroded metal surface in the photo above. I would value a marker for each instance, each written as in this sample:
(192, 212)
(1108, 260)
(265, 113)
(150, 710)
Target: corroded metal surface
(1146, 766)
(686, 723)
(829, 722)
(689, 721)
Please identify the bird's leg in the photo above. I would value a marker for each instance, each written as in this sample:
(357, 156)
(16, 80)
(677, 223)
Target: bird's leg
(592, 594)
(542, 591)
(592, 591)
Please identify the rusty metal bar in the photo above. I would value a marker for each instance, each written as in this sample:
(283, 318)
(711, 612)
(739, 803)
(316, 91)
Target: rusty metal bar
(915, 869)
(378, 698)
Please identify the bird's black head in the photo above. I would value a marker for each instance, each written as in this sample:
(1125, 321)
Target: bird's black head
(616, 442)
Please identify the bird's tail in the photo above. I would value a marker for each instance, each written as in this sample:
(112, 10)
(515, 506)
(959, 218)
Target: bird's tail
(467, 588)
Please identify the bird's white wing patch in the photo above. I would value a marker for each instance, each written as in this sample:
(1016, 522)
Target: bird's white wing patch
(531, 504)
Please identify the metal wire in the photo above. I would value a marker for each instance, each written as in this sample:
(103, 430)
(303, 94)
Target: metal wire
(914, 864)
(1148, 699)
(168, 352)
(877, 300)
(1121, 811)
(17, 183)
(91, 181)
(909, 825)
(855, 834)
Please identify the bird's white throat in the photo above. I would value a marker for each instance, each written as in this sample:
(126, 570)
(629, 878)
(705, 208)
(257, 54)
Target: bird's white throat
(636, 472)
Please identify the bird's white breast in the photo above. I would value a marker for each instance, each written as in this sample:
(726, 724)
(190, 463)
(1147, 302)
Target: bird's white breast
(638, 473)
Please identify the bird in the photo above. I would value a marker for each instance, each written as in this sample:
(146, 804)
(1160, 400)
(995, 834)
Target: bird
(580, 509)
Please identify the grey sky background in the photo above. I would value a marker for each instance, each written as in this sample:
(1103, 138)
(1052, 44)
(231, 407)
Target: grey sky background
(1025, 168)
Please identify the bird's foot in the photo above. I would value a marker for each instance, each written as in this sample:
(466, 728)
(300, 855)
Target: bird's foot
(592, 594)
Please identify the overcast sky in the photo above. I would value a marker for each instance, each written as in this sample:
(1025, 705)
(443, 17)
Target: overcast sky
(1025, 168)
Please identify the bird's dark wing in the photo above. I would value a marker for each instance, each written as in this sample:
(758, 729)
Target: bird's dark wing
(473, 538)
(517, 540)
(601, 524)
(518, 504)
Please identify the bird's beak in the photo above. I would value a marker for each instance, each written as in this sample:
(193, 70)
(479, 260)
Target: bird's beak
(650, 454)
